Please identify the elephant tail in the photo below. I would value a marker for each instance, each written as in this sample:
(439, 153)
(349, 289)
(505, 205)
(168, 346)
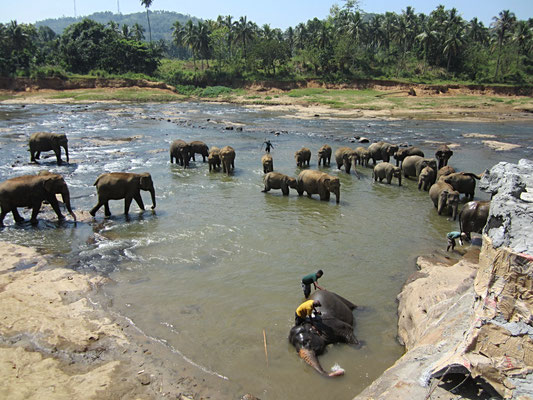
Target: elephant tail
(96, 181)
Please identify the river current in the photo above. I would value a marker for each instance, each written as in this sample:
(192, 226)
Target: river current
(218, 261)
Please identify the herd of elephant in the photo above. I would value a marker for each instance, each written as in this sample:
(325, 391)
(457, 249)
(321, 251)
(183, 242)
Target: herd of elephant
(336, 321)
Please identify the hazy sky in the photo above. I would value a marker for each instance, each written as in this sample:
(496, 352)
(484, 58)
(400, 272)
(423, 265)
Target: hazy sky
(277, 13)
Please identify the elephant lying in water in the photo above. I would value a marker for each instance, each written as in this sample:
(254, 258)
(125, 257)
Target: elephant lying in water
(334, 325)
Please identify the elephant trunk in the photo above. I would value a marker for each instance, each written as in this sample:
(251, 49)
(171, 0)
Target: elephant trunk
(400, 179)
(454, 207)
(65, 194)
(309, 356)
(152, 193)
(338, 196)
(66, 151)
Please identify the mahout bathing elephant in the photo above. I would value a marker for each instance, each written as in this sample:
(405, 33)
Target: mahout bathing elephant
(122, 185)
(400, 155)
(48, 141)
(443, 154)
(334, 325)
(473, 217)
(302, 157)
(447, 170)
(463, 182)
(268, 163)
(181, 151)
(444, 197)
(31, 191)
(382, 151)
(227, 158)
(426, 178)
(214, 159)
(317, 182)
(413, 165)
(324, 155)
(363, 155)
(385, 170)
(276, 180)
(198, 147)
(346, 156)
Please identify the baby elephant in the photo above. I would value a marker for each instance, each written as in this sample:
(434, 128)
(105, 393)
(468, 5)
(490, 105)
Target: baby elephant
(302, 157)
(426, 178)
(214, 159)
(387, 170)
(275, 180)
(268, 163)
(122, 185)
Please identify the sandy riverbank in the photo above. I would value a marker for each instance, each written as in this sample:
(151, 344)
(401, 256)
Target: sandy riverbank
(381, 102)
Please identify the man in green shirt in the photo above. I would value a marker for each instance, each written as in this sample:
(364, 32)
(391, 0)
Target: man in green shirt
(311, 279)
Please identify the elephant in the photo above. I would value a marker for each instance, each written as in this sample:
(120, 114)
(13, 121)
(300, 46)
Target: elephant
(198, 147)
(447, 170)
(400, 155)
(324, 155)
(443, 195)
(335, 324)
(181, 151)
(426, 178)
(214, 159)
(31, 191)
(463, 182)
(473, 217)
(302, 157)
(387, 170)
(443, 154)
(346, 156)
(363, 155)
(48, 141)
(268, 163)
(317, 182)
(382, 151)
(122, 185)
(275, 180)
(227, 158)
(413, 165)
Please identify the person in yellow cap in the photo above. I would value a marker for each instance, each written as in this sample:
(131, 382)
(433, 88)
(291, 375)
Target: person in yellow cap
(305, 311)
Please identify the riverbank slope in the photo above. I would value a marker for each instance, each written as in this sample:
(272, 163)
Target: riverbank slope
(365, 99)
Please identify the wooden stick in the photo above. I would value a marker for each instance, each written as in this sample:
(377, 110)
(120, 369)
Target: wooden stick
(265, 343)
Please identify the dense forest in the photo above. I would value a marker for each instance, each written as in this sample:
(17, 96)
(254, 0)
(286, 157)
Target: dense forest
(347, 45)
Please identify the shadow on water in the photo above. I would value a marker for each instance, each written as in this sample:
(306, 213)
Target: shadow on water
(219, 261)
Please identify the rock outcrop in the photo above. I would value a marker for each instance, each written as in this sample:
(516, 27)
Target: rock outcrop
(469, 319)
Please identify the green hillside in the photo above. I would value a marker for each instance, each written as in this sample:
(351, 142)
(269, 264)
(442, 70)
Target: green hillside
(161, 22)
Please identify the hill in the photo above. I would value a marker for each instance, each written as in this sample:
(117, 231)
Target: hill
(161, 22)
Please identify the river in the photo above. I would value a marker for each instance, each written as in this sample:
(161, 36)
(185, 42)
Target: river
(218, 261)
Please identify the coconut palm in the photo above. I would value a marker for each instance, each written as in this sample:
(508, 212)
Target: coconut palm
(244, 33)
(522, 37)
(455, 39)
(138, 32)
(147, 4)
(502, 24)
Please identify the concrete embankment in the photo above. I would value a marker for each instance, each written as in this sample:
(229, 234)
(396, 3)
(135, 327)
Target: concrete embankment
(469, 326)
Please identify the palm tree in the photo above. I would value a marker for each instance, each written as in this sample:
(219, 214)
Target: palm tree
(227, 23)
(126, 32)
(147, 4)
(503, 25)
(138, 32)
(190, 39)
(453, 43)
(244, 32)
(427, 37)
(522, 37)
(476, 31)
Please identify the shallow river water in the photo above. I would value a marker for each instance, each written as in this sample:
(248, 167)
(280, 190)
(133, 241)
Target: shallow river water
(218, 261)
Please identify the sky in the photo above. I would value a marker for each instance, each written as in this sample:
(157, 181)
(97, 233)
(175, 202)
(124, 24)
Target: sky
(277, 13)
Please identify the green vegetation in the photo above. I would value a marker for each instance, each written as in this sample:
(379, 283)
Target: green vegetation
(122, 95)
(348, 45)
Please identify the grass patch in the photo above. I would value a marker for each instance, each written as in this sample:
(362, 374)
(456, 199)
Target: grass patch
(306, 92)
(125, 95)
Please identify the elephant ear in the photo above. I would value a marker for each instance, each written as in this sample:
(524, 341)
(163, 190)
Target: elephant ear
(145, 180)
(50, 184)
(327, 182)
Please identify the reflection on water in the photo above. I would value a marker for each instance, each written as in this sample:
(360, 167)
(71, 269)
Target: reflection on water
(218, 261)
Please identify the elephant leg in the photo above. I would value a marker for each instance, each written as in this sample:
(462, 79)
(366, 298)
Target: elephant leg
(16, 215)
(300, 192)
(35, 211)
(139, 200)
(96, 208)
(38, 155)
(107, 211)
(285, 190)
(55, 205)
(194, 159)
(32, 156)
(127, 203)
(58, 156)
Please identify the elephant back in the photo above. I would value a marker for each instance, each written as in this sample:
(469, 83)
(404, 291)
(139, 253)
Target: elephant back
(336, 321)
(227, 153)
(199, 147)
(409, 165)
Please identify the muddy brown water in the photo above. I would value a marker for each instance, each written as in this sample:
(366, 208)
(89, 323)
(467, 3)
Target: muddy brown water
(218, 261)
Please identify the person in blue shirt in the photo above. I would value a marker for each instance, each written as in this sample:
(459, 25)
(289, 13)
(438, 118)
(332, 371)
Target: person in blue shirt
(451, 236)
